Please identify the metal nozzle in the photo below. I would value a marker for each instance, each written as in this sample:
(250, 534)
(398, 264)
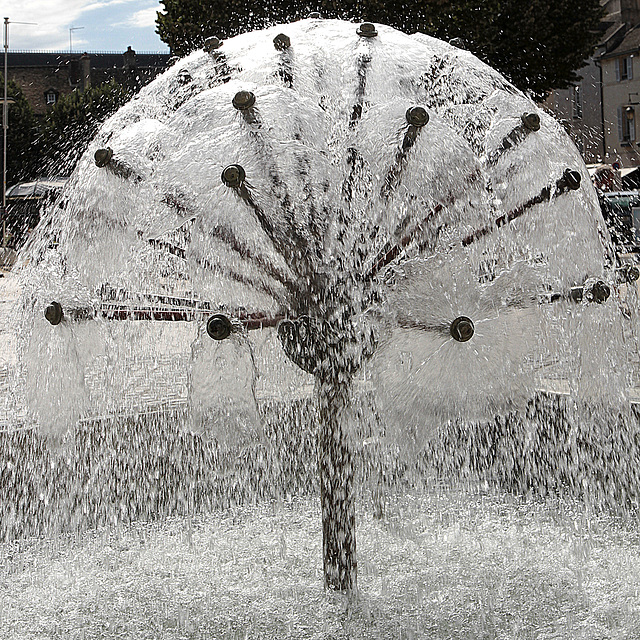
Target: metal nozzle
(211, 44)
(219, 327)
(628, 273)
(367, 30)
(417, 116)
(282, 42)
(462, 329)
(599, 292)
(243, 100)
(103, 157)
(570, 180)
(233, 175)
(531, 121)
(53, 313)
(184, 77)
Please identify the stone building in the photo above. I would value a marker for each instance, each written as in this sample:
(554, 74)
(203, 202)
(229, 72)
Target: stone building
(44, 77)
(621, 100)
(580, 107)
(601, 111)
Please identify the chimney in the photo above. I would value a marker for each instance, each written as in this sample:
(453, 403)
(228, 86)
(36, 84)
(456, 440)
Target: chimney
(129, 59)
(85, 70)
(630, 12)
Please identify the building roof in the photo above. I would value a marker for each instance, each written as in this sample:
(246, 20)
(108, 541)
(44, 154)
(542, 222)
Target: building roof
(612, 34)
(629, 44)
(99, 60)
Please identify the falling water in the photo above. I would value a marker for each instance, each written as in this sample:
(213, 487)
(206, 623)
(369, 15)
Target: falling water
(324, 230)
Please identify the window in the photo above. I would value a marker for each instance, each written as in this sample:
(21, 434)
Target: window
(576, 102)
(51, 97)
(624, 68)
(626, 124)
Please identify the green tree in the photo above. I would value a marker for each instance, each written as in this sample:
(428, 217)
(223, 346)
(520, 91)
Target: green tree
(74, 121)
(538, 44)
(22, 152)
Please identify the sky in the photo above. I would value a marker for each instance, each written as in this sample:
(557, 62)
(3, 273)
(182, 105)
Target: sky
(98, 25)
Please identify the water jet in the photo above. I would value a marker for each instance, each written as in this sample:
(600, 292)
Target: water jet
(399, 223)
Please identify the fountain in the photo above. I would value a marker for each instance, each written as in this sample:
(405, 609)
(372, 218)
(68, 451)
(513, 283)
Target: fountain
(376, 220)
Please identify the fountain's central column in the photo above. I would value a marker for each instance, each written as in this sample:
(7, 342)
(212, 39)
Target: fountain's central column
(337, 495)
(330, 345)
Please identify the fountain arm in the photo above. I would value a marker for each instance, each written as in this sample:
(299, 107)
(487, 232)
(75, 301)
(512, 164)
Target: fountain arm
(159, 308)
(570, 181)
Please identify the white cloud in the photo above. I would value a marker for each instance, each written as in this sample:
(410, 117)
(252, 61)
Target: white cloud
(143, 18)
(55, 17)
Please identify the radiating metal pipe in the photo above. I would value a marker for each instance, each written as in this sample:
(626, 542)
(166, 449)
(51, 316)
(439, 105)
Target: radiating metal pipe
(184, 77)
(417, 118)
(196, 311)
(244, 102)
(105, 159)
(529, 123)
(570, 181)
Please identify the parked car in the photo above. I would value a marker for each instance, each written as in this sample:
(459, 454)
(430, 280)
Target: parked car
(24, 204)
(621, 212)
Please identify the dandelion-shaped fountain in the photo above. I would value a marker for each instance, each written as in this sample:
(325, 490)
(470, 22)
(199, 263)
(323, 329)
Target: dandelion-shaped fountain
(324, 203)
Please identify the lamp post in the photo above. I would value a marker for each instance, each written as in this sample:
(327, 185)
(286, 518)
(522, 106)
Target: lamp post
(5, 125)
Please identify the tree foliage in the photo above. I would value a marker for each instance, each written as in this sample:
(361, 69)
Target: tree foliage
(22, 154)
(538, 44)
(74, 121)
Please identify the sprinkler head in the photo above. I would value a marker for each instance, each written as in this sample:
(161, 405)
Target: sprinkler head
(103, 157)
(462, 329)
(417, 116)
(367, 30)
(219, 327)
(211, 44)
(531, 121)
(599, 292)
(184, 77)
(53, 313)
(576, 294)
(314, 15)
(233, 175)
(629, 272)
(570, 179)
(243, 100)
(286, 330)
(282, 42)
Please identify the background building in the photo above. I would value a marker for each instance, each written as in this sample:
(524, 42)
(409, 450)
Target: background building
(580, 107)
(44, 77)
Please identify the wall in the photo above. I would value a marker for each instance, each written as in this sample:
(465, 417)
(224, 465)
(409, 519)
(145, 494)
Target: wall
(585, 129)
(623, 94)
